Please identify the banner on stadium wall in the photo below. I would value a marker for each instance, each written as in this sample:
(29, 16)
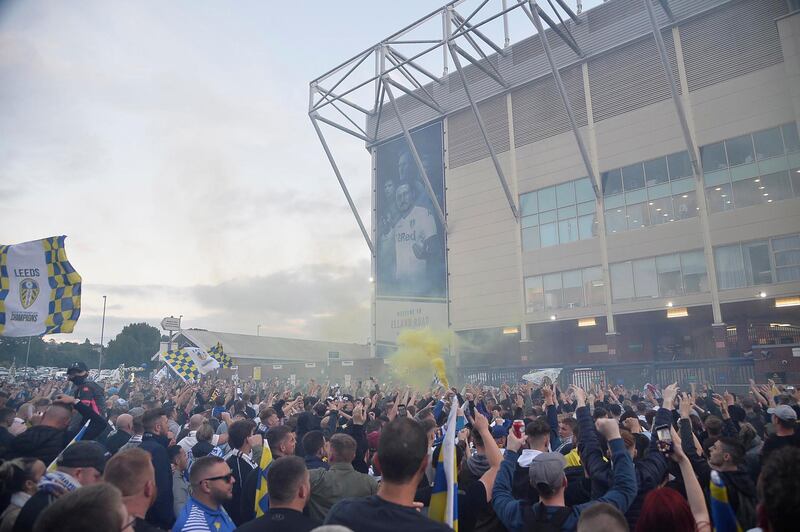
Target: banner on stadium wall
(40, 291)
(411, 262)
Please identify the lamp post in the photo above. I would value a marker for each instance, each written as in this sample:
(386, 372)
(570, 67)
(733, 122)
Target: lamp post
(102, 335)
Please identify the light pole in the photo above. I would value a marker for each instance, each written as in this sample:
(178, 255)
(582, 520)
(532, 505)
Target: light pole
(28, 354)
(258, 330)
(102, 335)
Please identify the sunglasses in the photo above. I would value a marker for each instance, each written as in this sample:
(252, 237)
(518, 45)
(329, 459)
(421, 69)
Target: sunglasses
(227, 478)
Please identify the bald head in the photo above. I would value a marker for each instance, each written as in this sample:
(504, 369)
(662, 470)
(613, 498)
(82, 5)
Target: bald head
(57, 416)
(196, 421)
(125, 422)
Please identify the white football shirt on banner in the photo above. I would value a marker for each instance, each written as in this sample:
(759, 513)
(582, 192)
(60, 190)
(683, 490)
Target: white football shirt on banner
(28, 300)
(415, 227)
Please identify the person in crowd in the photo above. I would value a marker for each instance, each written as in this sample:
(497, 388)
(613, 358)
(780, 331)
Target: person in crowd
(96, 508)
(784, 420)
(602, 516)
(547, 476)
(205, 435)
(180, 477)
(81, 464)
(566, 429)
(211, 481)
(779, 491)
(242, 439)
(155, 442)
(132, 473)
(47, 439)
(19, 479)
(403, 457)
(122, 435)
(6, 420)
(86, 391)
(329, 486)
(269, 419)
(282, 442)
(190, 440)
(315, 447)
(289, 493)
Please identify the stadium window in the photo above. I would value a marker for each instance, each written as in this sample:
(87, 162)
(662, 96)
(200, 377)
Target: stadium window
(530, 237)
(549, 234)
(719, 198)
(547, 199)
(593, 286)
(621, 275)
(586, 226)
(558, 215)
(529, 204)
(552, 291)
(777, 186)
(757, 264)
(713, 157)
(730, 267)
(656, 171)
(680, 165)
(534, 294)
(638, 216)
(790, 137)
(573, 289)
(695, 276)
(568, 230)
(565, 194)
(584, 191)
(661, 211)
(768, 143)
(615, 220)
(786, 254)
(644, 278)
(685, 205)
(612, 182)
(749, 192)
(668, 268)
(795, 175)
(633, 177)
(740, 150)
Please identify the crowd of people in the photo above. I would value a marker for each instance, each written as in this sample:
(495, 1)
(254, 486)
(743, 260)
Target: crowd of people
(148, 456)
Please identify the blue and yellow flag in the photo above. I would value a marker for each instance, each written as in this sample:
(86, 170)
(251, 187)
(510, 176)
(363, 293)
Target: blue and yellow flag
(78, 437)
(181, 363)
(40, 291)
(262, 491)
(444, 496)
(219, 355)
(722, 514)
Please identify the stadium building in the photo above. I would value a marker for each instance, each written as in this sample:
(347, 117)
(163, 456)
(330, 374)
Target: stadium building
(557, 206)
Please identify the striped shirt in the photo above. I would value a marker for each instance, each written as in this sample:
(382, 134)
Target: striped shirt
(197, 517)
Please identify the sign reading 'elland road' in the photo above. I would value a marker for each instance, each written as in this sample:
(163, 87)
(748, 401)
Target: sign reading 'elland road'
(40, 291)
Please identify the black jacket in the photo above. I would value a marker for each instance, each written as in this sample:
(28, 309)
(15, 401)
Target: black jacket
(240, 468)
(161, 513)
(32, 509)
(117, 440)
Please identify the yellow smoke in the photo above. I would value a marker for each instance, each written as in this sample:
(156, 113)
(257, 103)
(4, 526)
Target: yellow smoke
(419, 357)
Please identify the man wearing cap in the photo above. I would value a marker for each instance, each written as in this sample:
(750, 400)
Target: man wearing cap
(87, 392)
(547, 476)
(784, 420)
(81, 464)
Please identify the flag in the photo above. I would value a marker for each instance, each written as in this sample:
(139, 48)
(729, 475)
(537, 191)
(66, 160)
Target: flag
(161, 374)
(444, 498)
(182, 364)
(202, 360)
(40, 291)
(78, 437)
(262, 491)
(219, 355)
(537, 377)
(722, 514)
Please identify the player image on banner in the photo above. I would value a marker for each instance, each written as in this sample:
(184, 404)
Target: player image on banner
(411, 243)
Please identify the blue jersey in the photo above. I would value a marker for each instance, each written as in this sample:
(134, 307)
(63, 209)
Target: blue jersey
(197, 517)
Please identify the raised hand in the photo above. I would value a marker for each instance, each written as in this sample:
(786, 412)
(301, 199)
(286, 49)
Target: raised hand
(668, 394)
(609, 428)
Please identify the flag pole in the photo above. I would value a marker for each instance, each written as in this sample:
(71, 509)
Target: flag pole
(102, 336)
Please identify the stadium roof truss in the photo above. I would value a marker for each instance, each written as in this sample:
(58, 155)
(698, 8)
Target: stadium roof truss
(455, 36)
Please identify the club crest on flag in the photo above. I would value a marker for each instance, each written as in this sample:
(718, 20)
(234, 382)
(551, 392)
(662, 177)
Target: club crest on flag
(28, 292)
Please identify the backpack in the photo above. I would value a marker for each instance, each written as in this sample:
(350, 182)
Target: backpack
(535, 518)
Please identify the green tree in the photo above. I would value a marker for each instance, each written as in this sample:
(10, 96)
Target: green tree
(133, 346)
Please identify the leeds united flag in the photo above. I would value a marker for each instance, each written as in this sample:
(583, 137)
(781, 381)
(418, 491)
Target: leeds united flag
(40, 291)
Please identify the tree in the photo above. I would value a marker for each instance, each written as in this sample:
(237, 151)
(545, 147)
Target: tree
(133, 346)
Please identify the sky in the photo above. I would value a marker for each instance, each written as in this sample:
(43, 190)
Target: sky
(170, 142)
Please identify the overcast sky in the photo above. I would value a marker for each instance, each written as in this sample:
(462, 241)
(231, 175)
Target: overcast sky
(170, 142)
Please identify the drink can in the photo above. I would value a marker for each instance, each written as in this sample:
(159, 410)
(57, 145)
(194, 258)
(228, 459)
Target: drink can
(519, 427)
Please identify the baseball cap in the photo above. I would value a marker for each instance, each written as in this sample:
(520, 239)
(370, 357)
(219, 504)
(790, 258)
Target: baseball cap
(84, 454)
(784, 412)
(77, 367)
(547, 469)
(499, 431)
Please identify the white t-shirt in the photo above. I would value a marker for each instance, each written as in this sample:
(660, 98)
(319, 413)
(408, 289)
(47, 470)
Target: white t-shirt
(191, 440)
(415, 227)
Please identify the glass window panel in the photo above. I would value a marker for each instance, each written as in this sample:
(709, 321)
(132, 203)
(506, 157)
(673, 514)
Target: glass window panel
(756, 263)
(713, 157)
(567, 212)
(638, 196)
(548, 234)
(749, 192)
(768, 143)
(633, 177)
(685, 205)
(740, 150)
(573, 289)
(744, 171)
(587, 227)
(787, 274)
(644, 278)
(552, 290)
(786, 242)
(730, 267)
(770, 166)
(593, 286)
(717, 178)
(661, 211)
(790, 139)
(719, 198)
(655, 171)
(616, 221)
(565, 194)
(614, 202)
(547, 199)
(547, 217)
(586, 208)
(621, 281)
(787, 258)
(669, 275)
(638, 216)
(795, 173)
(680, 165)
(530, 238)
(612, 182)
(568, 230)
(584, 190)
(776, 186)
(530, 221)
(529, 203)
(695, 276)
(682, 186)
(534, 294)
(659, 191)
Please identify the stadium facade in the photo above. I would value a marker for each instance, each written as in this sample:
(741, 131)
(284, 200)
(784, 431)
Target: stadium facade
(590, 219)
